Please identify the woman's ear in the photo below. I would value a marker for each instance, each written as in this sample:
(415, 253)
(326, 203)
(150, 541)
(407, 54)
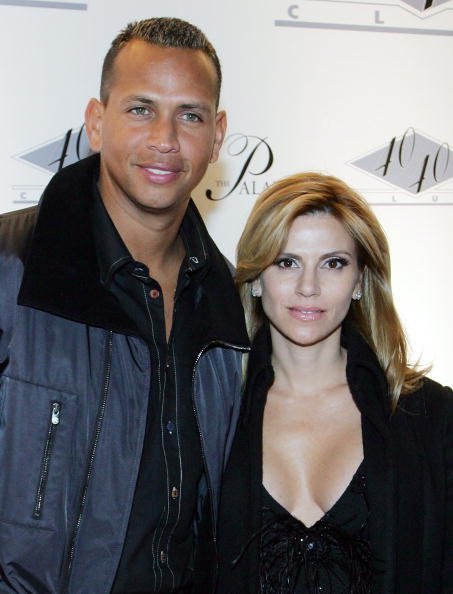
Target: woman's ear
(357, 292)
(255, 288)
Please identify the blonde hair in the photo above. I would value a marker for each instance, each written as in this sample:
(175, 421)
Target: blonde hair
(374, 316)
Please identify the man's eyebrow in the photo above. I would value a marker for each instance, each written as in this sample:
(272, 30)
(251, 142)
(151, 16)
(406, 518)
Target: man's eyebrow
(139, 99)
(201, 106)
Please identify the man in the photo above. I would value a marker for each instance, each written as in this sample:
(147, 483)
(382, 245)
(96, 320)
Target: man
(121, 337)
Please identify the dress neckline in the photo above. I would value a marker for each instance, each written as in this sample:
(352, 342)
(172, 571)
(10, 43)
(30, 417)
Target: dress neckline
(356, 484)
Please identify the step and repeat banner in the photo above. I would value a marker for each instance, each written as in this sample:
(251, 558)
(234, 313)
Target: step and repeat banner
(360, 90)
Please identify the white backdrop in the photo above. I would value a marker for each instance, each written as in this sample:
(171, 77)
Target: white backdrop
(361, 90)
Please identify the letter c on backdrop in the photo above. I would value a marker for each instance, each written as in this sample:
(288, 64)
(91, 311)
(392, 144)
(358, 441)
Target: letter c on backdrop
(292, 11)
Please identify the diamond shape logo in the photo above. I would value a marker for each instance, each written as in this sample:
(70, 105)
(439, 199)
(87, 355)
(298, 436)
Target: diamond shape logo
(413, 162)
(423, 5)
(59, 152)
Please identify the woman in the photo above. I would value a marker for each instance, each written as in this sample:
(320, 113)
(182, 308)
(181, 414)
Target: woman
(340, 477)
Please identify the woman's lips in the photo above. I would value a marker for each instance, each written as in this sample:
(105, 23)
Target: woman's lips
(306, 314)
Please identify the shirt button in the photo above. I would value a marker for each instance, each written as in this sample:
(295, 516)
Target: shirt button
(170, 427)
(163, 557)
(154, 293)
(174, 493)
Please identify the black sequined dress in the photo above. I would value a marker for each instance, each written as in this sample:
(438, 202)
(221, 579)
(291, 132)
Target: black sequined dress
(331, 557)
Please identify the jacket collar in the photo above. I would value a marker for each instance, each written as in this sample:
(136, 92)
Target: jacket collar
(369, 389)
(62, 276)
(365, 377)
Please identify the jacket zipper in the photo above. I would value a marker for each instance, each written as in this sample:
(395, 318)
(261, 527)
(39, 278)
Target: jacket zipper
(89, 472)
(208, 480)
(45, 464)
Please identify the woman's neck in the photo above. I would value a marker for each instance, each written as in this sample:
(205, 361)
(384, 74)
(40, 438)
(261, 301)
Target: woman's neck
(308, 370)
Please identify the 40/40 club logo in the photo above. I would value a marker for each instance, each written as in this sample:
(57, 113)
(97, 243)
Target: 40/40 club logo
(413, 162)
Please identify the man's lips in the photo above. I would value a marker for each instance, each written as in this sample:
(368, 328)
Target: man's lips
(161, 174)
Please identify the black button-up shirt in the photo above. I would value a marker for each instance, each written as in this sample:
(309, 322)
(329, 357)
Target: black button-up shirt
(158, 548)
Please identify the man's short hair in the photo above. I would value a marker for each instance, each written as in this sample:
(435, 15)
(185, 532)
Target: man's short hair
(163, 32)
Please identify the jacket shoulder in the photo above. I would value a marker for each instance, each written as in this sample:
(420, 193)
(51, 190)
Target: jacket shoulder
(435, 396)
(438, 399)
(430, 407)
(16, 229)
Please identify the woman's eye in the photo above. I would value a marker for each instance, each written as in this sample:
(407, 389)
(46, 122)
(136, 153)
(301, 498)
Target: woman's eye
(336, 263)
(286, 263)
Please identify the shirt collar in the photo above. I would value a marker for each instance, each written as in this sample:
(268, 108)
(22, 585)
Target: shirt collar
(112, 253)
(196, 250)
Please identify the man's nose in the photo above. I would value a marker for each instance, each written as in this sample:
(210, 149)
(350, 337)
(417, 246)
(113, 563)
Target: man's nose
(162, 135)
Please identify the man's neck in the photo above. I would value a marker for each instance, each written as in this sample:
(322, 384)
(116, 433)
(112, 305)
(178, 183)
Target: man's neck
(151, 238)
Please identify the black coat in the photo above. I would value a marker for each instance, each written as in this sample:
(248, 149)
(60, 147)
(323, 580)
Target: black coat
(66, 488)
(409, 479)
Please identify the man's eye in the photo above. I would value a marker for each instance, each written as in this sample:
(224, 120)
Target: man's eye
(286, 263)
(191, 117)
(336, 263)
(139, 111)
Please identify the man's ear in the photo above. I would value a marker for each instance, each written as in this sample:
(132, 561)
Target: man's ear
(220, 129)
(94, 113)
